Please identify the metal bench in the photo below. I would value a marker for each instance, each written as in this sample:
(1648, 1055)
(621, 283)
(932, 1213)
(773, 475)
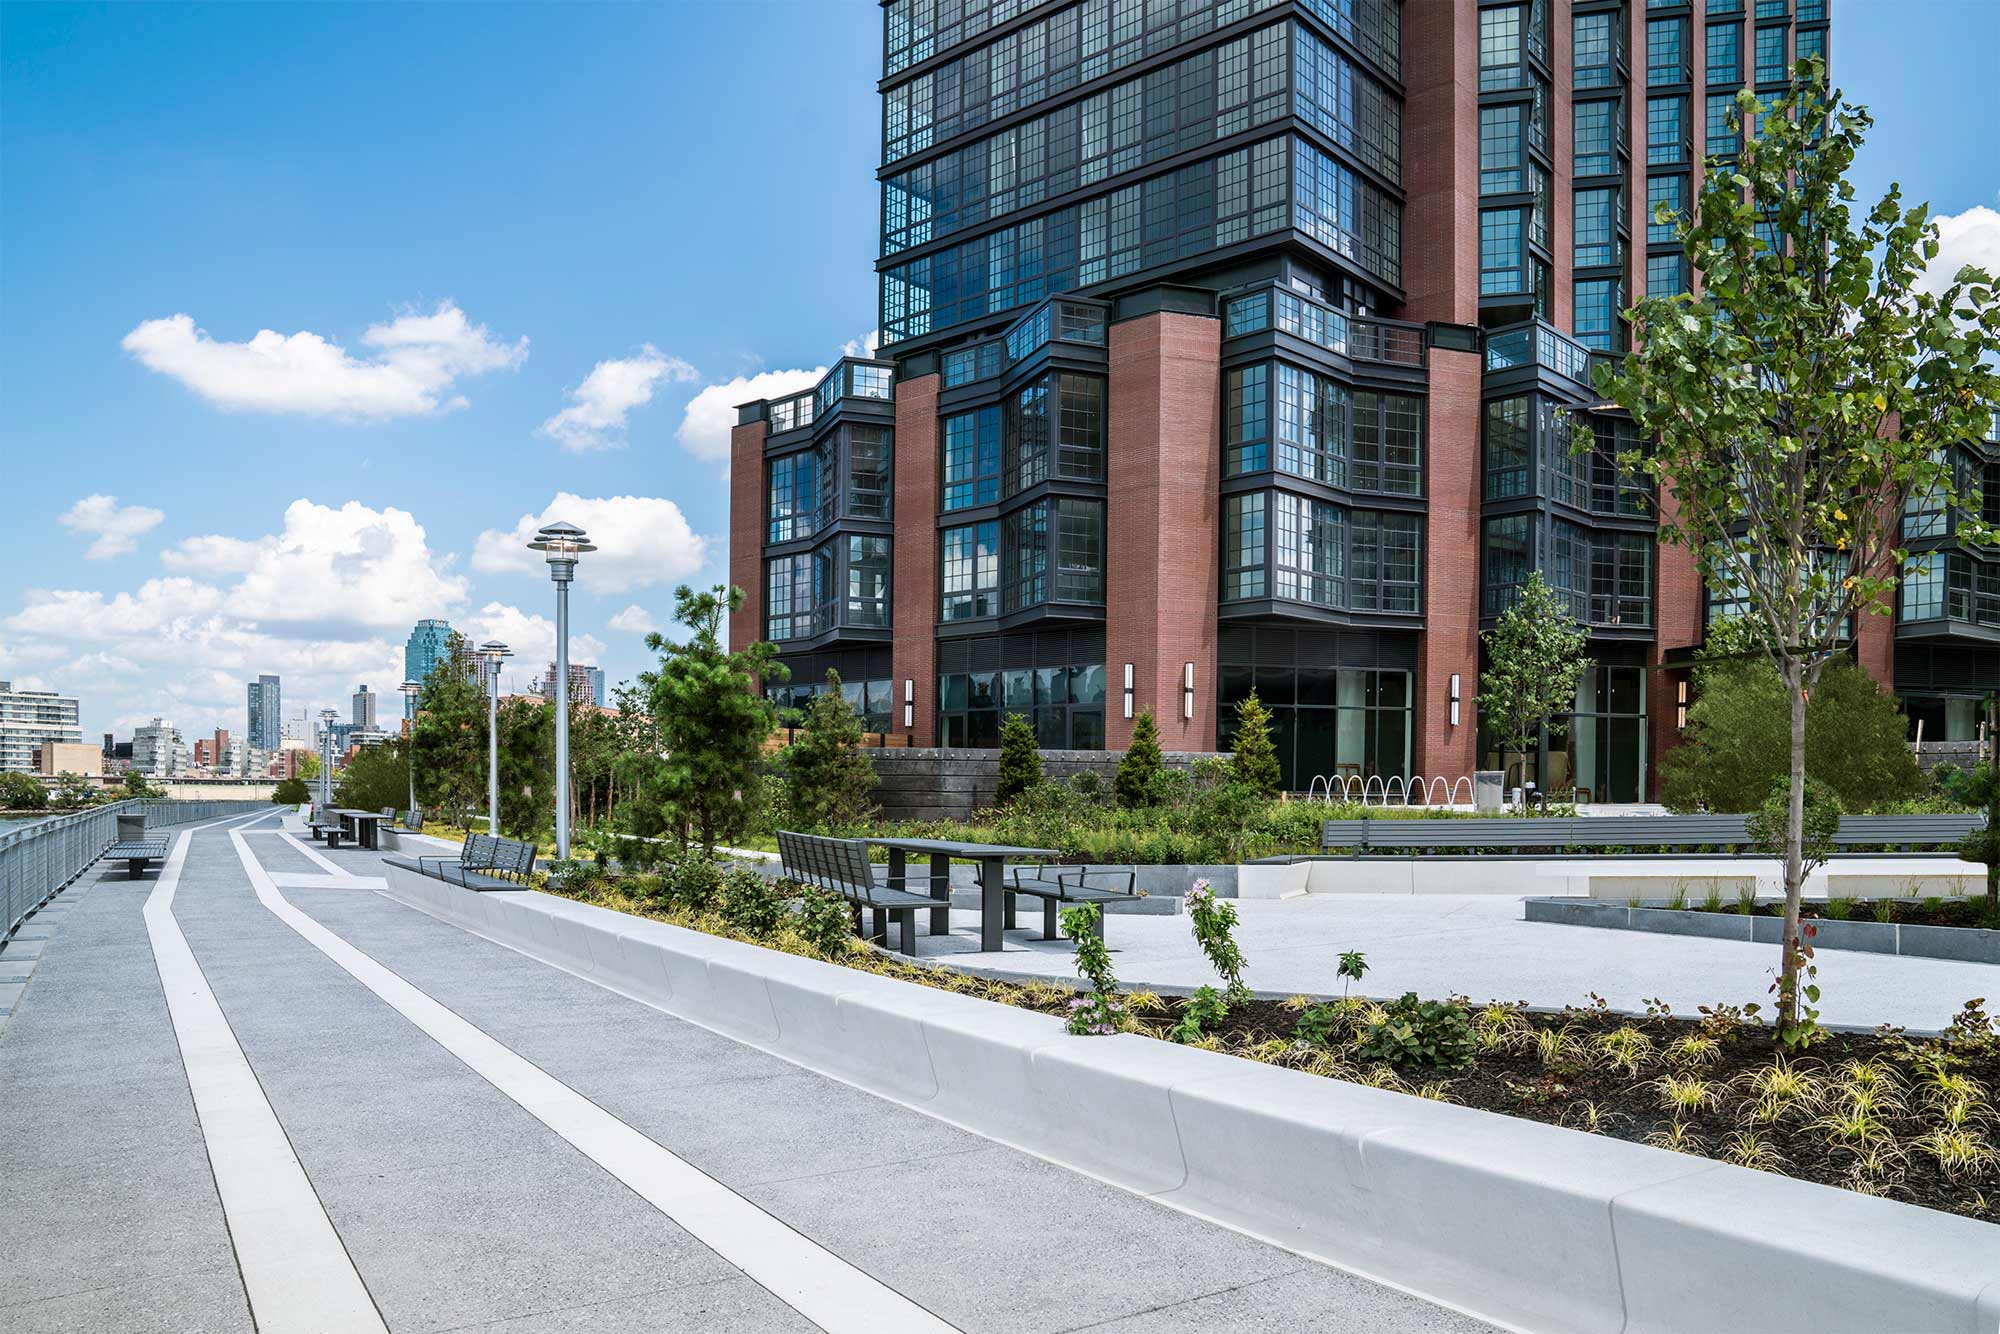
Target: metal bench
(841, 866)
(135, 853)
(1056, 885)
(486, 861)
(325, 824)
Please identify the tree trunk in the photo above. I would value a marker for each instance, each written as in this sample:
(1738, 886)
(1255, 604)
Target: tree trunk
(1795, 829)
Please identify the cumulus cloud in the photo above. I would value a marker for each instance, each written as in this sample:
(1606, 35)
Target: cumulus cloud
(711, 414)
(532, 637)
(1971, 237)
(417, 361)
(634, 620)
(116, 527)
(595, 418)
(641, 540)
(864, 346)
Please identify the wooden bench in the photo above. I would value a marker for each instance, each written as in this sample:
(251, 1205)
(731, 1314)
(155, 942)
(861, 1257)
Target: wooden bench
(486, 861)
(1056, 885)
(135, 853)
(841, 866)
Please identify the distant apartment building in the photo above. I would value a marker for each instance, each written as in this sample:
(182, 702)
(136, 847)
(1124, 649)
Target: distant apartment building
(55, 758)
(585, 682)
(157, 749)
(364, 707)
(266, 713)
(31, 718)
(428, 645)
(204, 753)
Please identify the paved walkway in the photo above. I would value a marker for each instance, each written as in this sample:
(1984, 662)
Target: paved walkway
(248, 1091)
(1478, 945)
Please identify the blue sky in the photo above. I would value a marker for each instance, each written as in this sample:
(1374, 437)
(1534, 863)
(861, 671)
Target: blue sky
(449, 216)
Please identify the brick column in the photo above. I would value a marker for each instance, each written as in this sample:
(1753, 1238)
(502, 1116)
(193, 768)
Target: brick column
(913, 590)
(1677, 622)
(1162, 529)
(1875, 647)
(1450, 642)
(746, 530)
(1441, 162)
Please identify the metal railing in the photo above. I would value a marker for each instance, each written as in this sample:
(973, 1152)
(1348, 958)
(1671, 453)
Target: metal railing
(37, 860)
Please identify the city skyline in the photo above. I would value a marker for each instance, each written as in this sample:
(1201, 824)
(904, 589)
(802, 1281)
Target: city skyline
(474, 391)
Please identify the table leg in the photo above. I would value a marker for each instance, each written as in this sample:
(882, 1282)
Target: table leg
(941, 890)
(134, 867)
(992, 905)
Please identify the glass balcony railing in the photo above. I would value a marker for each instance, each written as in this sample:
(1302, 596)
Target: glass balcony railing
(849, 378)
(1537, 344)
(1056, 320)
(1355, 336)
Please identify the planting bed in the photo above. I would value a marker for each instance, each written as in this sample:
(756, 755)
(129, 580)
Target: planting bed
(1903, 912)
(1911, 1119)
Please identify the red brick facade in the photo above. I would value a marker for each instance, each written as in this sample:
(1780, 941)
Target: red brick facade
(913, 579)
(1163, 459)
(1441, 164)
(746, 531)
(1450, 643)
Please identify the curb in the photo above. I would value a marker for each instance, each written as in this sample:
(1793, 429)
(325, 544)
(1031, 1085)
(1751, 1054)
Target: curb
(1959, 944)
(1532, 1226)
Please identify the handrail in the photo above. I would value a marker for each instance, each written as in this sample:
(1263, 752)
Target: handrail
(37, 860)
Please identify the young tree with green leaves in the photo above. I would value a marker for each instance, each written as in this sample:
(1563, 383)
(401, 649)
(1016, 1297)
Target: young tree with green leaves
(712, 719)
(1140, 768)
(448, 736)
(22, 792)
(1535, 654)
(73, 792)
(136, 785)
(528, 767)
(829, 777)
(1255, 758)
(378, 777)
(1803, 398)
(1020, 758)
(291, 792)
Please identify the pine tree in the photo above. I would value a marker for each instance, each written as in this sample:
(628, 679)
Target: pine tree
(1256, 760)
(830, 778)
(1020, 758)
(1141, 765)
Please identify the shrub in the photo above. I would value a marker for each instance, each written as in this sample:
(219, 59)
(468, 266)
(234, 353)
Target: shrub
(1140, 768)
(1319, 1025)
(1768, 823)
(692, 882)
(1020, 758)
(824, 921)
(750, 903)
(1213, 922)
(21, 792)
(290, 792)
(1255, 758)
(572, 877)
(1421, 1032)
(1206, 1009)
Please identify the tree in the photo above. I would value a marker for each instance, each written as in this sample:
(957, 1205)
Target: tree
(290, 792)
(21, 792)
(528, 767)
(1020, 758)
(448, 736)
(1256, 759)
(1981, 788)
(378, 777)
(137, 786)
(712, 720)
(1140, 769)
(73, 792)
(1798, 403)
(1738, 731)
(829, 777)
(1535, 661)
(309, 766)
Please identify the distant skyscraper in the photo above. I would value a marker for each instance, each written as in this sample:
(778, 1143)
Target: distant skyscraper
(267, 713)
(428, 645)
(585, 682)
(30, 718)
(364, 707)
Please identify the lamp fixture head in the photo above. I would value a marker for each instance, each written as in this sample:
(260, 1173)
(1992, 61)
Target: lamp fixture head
(560, 544)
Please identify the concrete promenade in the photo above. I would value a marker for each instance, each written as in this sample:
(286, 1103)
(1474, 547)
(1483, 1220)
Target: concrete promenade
(249, 1092)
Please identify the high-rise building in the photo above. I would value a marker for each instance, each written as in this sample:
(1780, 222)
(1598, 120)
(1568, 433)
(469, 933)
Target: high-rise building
(1236, 344)
(266, 713)
(585, 683)
(364, 707)
(32, 718)
(157, 749)
(428, 645)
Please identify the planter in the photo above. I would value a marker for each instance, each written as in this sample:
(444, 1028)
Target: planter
(1966, 944)
(1526, 1224)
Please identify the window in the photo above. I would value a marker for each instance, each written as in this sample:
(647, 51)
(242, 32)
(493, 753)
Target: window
(1597, 304)
(1311, 551)
(1811, 42)
(1920, 591)
(1080, 550)
(1312, 434)
(1725, 6)
(792, 496)
(1329, 722)
(1593, 225)
(1721, 132)
(1027, 556)
(1500, 149)
(1771, 55)
(972, 459)
(1388, 444)
(1668, 191)
(869, 456)
(1725, 53)
(1347, 105)
(1508, 454)
(1666, 60)
(1594, 138)
(796, 589)
(1080, 428)
(1500, 48)
(1344, 213)
(1665, 130)
(1502, 252)
(867, 581)
(1507, 559)
(1382, 561)
(1243, 545)
(1247, 442)
(1027, 442)
(971, 571)
(1594, 49)
(1666, 275)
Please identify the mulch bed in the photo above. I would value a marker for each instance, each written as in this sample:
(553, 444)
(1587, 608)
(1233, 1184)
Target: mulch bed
(1907, 912)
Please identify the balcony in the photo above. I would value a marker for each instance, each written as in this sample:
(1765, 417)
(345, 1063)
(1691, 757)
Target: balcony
(1538, 344)
(1359, 338)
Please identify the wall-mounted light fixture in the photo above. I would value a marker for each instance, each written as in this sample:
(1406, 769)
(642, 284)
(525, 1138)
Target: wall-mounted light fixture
(909, 703)
(1681, 705)
(1454, 699)
(1187, 691)
(1128, 690)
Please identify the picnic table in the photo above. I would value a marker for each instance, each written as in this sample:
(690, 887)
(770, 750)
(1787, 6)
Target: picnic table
(361, 826)
(995, 902)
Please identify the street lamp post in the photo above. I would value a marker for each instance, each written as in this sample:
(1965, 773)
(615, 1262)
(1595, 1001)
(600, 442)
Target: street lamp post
(411, 689)
(326, 717)
(493, 651)
(561, 543)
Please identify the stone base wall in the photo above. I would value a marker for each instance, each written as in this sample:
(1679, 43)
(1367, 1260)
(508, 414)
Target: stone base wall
(934, 784)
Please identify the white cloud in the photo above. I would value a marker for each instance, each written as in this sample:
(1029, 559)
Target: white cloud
(116, 527)
(711, 414)
(634, 620)
(864, 346)
(595, 418)
(1971, 237)
(641, 540)
(418, 361)
(532, 637)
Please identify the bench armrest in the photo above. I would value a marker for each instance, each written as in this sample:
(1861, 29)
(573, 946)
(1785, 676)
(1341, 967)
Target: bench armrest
(1082, 876)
